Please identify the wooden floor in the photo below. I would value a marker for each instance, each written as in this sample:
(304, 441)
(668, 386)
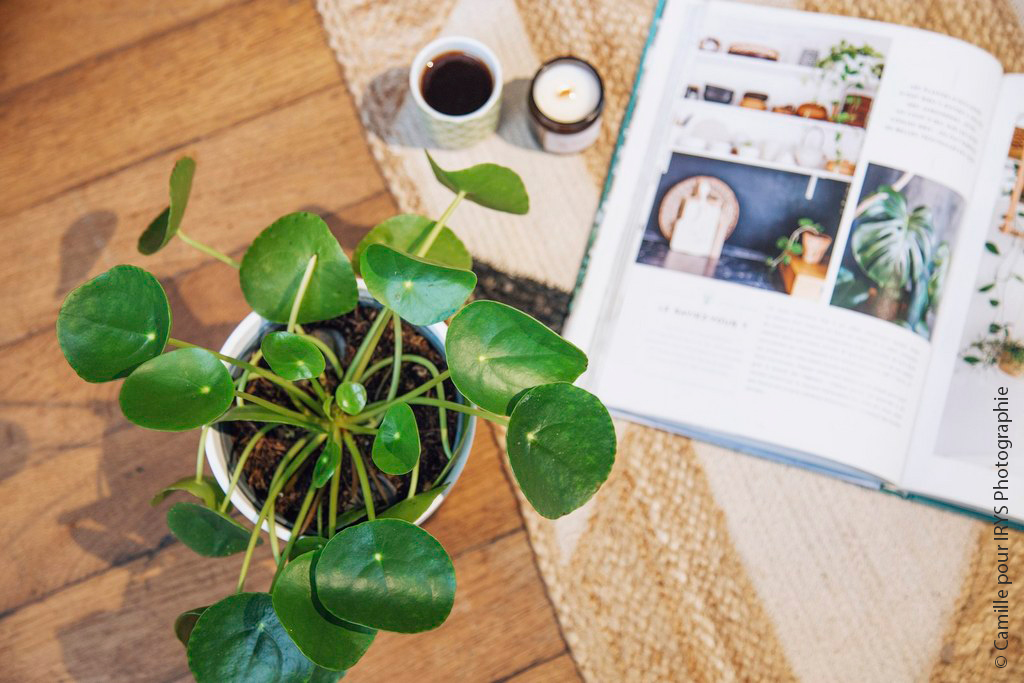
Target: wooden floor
(97, 100)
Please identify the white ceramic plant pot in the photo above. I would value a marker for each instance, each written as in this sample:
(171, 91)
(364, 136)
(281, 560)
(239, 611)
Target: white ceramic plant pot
(246, 337)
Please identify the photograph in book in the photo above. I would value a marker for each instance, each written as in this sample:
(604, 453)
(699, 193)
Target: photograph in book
(765, 142)
(992, 346)
(898, 253)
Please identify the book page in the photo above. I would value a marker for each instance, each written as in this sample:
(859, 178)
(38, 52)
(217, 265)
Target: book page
(968, 432)
(780, 228)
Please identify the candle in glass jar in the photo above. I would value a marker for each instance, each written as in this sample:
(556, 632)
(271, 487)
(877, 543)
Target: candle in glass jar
(565, 101)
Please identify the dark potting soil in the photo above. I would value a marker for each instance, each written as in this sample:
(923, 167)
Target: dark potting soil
(344, 335)
(547, 304)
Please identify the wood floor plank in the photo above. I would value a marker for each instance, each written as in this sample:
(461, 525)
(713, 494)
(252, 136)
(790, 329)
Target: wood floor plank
(310, 155)
(117, 626)
(41, 37)
(158, 94)
(561, 669)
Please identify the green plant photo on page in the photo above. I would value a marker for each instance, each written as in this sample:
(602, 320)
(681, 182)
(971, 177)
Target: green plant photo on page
(336, 418)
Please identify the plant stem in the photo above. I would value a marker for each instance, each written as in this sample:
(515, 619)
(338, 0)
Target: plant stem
(434, 373)
(252, 546)
(364, 482)
(260, 372)
(458, 407)
(355, 429)
(296, 531)
(243, 378)
(331, 357)
(209, 251)
(383, 363)
(275, 485)
(366, 348)
(439, 225)
(271, 406)
(249, 447)
(320, 516)
(332, 503)
(451, 461)
(200, 451)
(318, 388)
(275, 549)
(396, 363)
(413, 480)
(301, 292)
(377, 367)
(380, 407)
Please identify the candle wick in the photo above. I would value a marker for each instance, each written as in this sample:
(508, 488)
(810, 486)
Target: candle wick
(566, 92)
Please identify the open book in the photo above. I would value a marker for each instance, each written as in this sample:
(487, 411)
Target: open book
(810, 249)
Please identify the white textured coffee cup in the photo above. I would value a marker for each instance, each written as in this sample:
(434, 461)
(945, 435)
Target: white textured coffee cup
(450, 131)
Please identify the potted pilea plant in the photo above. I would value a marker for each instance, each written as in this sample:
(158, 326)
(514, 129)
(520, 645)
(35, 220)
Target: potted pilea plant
(838, 163)
(853, 73)
(999, 348)
(809, 241)
(337, 395)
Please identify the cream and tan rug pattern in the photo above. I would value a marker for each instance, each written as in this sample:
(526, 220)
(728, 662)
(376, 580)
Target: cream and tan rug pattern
(693, 562)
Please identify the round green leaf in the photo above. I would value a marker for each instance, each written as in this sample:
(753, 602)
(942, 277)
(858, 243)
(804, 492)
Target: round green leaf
(325, 639)
(386, 574)
(291, 356)
(180, 390)
(251, 413)
(185, 622)
(892, 243)
(406, 232)
(495, 352)
(241, 640)
(351, 396)
(561, 445)
(422, 293)
(274, 264)
(490, 185)
(326, 463)
(113, 323)
(413, 508)
(208, 532)
(206, 489)
(164, 226)
(396, 448)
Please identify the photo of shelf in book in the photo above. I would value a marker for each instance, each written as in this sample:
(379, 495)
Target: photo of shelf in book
(751, 225)
(826, 77)
(898, 253)
(800, 103)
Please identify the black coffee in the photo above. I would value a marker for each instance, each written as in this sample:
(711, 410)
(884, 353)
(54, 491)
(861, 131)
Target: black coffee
(456, 83)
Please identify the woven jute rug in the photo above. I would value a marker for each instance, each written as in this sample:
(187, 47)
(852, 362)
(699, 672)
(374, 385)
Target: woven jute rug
(692, 562)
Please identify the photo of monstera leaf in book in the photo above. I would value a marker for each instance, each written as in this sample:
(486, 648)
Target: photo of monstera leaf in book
(898, 252)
